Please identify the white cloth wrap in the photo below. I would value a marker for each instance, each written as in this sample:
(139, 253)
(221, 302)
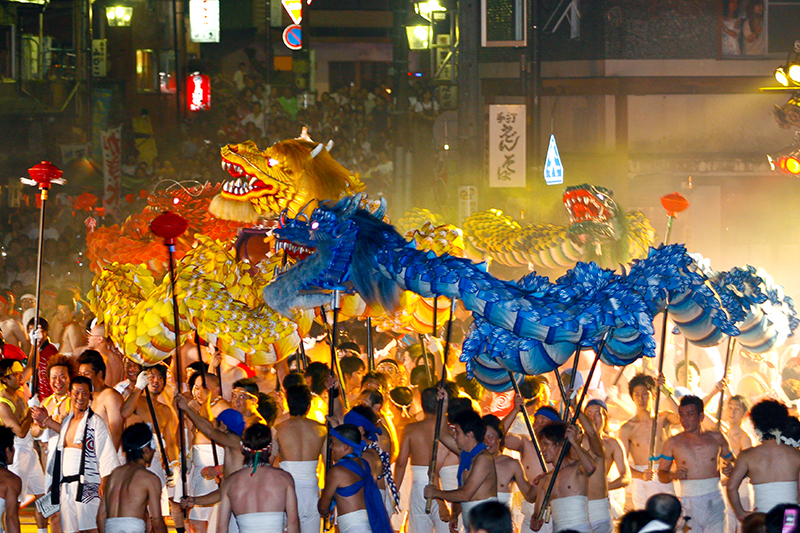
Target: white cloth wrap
(768, 495)
(261, 522)
(706, 507)
(600, 515)
(202, 456)
(571, 512)
(504, 498)
(448, 477)
(641, 490)
(699, 487)
(27, 466)
(2, 510)
(746, 498)
(418, 520)
(527, 511)
(125, 524)
(306, 486)
(355, 522)
(467, 507)
(75, 516)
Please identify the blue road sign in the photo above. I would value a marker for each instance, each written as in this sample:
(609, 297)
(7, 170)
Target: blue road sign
(292, 37)
(553, 169)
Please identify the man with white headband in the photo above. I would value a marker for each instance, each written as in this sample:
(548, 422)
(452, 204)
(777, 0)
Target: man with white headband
(696, 454)
(131, 488)
(773, 468)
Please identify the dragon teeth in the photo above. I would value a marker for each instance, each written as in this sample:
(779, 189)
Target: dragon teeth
(238, 183)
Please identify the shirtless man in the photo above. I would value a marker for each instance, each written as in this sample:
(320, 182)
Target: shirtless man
(67, 333)
(10, 483)
(106, 402)
(131, 488)
(262, 498)
(696, 454)
(97, 340)
(597, 412)
(416, 447)
(13, 331)
(568, 500)
(46, 350)
(302, 443)
(509, 470)
(130, 369)
(635, 435)
(478, 480)
(136, 409)
(15, 414)
(351, 483)
(209, 404)
(773, 468)
(244, 399)
(737, 408)
(61, 370)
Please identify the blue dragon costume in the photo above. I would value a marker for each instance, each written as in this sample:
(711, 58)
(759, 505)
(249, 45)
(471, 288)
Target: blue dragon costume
(529, 326)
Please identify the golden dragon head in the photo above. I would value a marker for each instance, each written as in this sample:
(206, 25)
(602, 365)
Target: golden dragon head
(287, 175)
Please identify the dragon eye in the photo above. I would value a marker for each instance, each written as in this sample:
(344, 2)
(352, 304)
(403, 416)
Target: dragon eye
(272, 162)
(314, 225)
(601, 196)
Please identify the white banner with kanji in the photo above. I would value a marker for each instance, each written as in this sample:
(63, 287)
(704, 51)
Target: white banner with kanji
(507, 146)
(112, 169)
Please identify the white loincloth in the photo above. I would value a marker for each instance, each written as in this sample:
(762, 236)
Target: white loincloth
(202, 456)
(418, 520)
(448, 477)
(125, 524)
(746, 498)
(571, 512)
(504, 498)
(617, 499)
(167, 493)
(2, 510)
(600, 515)
(355, 522)
(261, 522)
(27, 466)
(75, 516)
(702, 500)
(467, 507)
(768, 495)
(306, 486)
(641, 490)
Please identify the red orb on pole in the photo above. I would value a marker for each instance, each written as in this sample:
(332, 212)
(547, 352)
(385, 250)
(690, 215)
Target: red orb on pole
(168, 226)
(44, 174)
(674, 203)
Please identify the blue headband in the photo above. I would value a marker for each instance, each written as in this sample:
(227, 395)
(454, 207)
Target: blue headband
(362, 422)
(357, 448)
(547, 413)
(601, 403)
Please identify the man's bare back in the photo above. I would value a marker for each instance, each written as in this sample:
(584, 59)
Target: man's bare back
(301, 439)
(130, 490)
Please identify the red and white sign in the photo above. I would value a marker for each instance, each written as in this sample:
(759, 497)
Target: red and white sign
(292, 37)
(112, 169)
(198, 92)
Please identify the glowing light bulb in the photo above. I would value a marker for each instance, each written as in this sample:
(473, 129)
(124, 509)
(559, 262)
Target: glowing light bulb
(780, 75)
(794, 73)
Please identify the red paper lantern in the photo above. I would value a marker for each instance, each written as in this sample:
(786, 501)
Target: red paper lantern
(130, 198)
(168, 226)
(198, 92)
(674, 203)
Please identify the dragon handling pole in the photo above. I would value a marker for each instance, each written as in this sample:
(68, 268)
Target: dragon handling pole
(528, 423)
(334, 360)
(728, 354)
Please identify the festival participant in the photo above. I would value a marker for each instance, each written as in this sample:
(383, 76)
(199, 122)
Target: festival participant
(61, 370)
(509, 470)
(302, 443)
(97, 340)
(696, 454)
(130, 369)
(568, 500)
(10, 484)
(598, 505)
(12, 329)
(131, 488)
(316, 375)
(373, 399)
(106, 402)
(46, 350)
(490, 517)
(773, 469)
(665, 508)
(14, 413)
(416, 447)
(635, 435)
(68, 333)
(244, 399)
(137, 409)
(534, 396)
(77, 475)
(597, 411)
(477, 476)
(351, 484)
(260, 497)
(740, 439)
(353, 370)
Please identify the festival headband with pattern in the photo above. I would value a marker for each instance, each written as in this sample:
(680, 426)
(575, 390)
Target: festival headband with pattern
(257, 453)
(357, 448)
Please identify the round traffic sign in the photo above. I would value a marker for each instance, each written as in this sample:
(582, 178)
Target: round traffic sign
(292, 37)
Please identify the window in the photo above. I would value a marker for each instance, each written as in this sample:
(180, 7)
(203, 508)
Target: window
(146, 73)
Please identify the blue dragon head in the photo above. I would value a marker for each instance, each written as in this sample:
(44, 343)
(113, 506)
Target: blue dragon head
(334, 248)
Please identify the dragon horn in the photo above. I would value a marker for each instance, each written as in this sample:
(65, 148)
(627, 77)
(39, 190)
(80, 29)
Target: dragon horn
(352, 205)
(381, 210)
(329, 145)
(315, 152)
(303, 209)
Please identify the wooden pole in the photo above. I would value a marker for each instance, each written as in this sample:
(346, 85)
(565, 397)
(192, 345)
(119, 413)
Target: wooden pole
(528, 423)
(205, 386)
(565, 446)
(156, 430)
(440, 407)
(370, 346)
(334, 360)
(728, 355)
(654, 428)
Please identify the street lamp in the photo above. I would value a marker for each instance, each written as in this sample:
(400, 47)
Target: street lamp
(119, 15)
(418, 31)
(430, 9)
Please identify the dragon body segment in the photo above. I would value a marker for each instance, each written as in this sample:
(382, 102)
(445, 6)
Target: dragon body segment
(529, 326)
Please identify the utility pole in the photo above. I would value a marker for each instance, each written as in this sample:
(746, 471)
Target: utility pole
(400, 94)
(470, 104)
